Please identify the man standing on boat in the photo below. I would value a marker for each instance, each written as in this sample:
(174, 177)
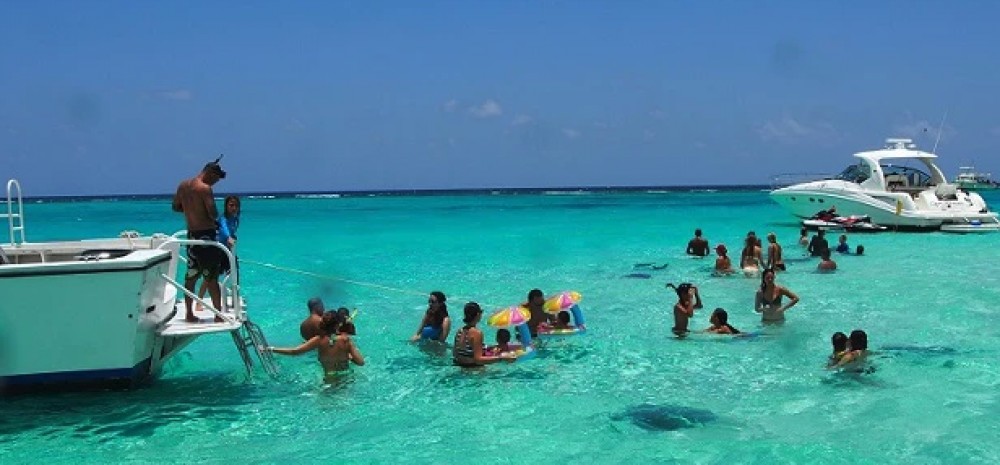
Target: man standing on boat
(195, 199)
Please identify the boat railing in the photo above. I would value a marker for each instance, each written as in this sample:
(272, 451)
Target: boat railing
(230, 285)
(788, 179)
(15, 220)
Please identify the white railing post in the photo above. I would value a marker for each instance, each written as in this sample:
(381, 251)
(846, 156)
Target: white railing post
(14, 187)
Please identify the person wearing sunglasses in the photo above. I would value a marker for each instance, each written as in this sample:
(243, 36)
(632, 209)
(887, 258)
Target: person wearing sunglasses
(436, 324)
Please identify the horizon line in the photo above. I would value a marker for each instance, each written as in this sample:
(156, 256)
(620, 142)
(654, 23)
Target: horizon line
(420, 191)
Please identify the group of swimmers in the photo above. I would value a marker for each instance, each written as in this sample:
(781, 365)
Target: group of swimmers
(847, 351)
(752, 259)
(329, 333)
(469, 349)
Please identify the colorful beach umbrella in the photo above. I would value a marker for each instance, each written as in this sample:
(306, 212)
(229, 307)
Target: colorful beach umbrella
(562, 301)
(510, 316)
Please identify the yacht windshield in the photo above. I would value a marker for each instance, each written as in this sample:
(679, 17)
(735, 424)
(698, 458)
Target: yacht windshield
(905, 176)
(854, 173)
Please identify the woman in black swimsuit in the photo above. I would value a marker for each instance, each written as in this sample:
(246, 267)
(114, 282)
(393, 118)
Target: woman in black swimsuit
(468, 348)
(768, 301)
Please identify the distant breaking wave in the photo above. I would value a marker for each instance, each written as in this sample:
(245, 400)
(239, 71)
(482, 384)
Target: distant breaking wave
(317, 196)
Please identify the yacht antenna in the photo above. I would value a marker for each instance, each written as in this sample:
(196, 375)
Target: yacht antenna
(940, 128)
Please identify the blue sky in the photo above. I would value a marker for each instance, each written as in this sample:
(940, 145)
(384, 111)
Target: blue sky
(130, 97)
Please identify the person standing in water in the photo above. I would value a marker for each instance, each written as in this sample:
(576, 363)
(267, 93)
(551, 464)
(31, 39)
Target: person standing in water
(468, 351)
(436, 324)
(697, 246)
(768, 299)
(688, 299)
(774, 260)
(336, 350)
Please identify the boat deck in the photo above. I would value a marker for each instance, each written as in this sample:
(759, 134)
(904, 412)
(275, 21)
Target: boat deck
(178, 326)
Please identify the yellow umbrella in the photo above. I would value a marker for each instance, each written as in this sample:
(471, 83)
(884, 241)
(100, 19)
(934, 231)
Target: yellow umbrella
(510, 316)
(562, 301)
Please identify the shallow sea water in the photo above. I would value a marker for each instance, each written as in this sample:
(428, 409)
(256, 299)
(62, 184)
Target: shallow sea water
(768, 398)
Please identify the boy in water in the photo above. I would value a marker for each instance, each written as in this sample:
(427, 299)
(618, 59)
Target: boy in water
(697, 246)
(839, 342)
(688, 300)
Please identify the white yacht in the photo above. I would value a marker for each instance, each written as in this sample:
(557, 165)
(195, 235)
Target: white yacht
(885, 187)
(102, 312)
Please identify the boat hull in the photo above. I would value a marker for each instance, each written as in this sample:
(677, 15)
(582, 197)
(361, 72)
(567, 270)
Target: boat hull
(896, 210)
(84, 322)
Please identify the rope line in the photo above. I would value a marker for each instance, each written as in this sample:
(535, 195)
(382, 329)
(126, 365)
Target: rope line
(355, 282)
(333, 278)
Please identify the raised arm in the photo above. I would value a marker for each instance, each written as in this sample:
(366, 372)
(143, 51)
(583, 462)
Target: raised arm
(697, 299)
(792, 298)
(305, 347)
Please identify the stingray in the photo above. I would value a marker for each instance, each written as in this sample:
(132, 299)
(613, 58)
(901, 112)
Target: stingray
(638, 276)
(653, 417)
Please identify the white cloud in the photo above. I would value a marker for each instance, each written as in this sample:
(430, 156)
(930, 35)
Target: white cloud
(789, 130)
(521, 119)
(182, 95)
(571, 133)
(450, 105)
(487, 109)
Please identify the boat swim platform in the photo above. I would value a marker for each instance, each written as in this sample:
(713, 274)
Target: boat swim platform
(178, 326)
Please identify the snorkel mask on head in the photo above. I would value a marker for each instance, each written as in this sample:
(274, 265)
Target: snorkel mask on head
(214, 168)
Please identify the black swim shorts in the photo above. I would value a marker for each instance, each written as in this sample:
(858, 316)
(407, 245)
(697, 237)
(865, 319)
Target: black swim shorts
(204, 260)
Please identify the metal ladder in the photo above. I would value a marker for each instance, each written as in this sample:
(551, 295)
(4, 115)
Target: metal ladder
(15, 221)
(250, 335)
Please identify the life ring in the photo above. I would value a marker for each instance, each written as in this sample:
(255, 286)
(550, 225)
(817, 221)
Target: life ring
(520, 352)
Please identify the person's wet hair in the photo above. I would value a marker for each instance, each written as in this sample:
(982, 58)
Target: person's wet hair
(503, 336)
(331, 323)
(234, 199)
(697, 232)
(682, 289)
(861, 250)
(535, 293)
(763, 277)
(315, 306)
(721, 250)
(472, 311)
(440, 297)
(563, 317)
(859, 340)
(721, 318)
(347, 328)
(839, 341)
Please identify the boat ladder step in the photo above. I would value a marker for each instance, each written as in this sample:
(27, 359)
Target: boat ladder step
(249, 336)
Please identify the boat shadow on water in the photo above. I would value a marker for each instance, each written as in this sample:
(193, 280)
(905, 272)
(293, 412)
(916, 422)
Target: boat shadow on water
(131, 413)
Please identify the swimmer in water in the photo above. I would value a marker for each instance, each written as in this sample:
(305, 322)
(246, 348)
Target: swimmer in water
(723, 265)
(688, 299)
(768, 299)
(839, 342)
(720, 323)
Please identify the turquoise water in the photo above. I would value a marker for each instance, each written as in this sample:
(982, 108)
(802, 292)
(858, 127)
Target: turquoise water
(770, 399)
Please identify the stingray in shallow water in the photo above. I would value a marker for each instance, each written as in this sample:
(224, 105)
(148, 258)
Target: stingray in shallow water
(638, 276)
(653, 417)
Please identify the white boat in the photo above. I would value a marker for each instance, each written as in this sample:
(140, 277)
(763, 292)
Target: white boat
(884, 188)
(101, 312)
(969, 179)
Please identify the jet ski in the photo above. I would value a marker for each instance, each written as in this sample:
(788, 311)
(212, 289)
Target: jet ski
(828, 219)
